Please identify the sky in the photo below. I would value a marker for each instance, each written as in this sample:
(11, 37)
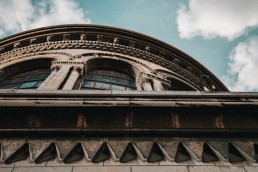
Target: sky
(220, 34)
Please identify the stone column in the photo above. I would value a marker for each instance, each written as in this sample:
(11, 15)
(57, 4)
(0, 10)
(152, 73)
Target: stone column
(72, 78)
(147, 85)
(53, 73)
(58, 78)
(157, 85)
(138, 84)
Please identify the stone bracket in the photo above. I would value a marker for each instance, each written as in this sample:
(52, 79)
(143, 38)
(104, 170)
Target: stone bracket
(79, 66)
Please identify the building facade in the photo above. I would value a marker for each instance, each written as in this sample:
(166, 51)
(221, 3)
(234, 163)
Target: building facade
(97, 98)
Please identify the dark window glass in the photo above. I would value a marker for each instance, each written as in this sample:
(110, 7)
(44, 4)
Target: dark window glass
(26, 80)
(118, 81)
(89, 84)
(108, 80)
(28, 85)
(104, 78)
(118, 87)
(91, 77)
(102, 85)
(130, 83)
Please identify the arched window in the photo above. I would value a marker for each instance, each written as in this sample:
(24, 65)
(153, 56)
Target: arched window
(108, 80)
(26, 80)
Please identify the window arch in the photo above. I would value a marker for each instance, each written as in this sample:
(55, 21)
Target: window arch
(107, 74)
(26, 80)
(25, 75)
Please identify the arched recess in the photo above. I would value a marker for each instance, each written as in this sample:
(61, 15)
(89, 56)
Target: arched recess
(178, 85)
(118, 74)
(25, 75)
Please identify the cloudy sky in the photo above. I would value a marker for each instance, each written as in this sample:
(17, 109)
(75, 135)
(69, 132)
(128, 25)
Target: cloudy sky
(220, 34)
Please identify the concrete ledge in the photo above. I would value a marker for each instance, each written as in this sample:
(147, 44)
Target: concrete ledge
(87, 98)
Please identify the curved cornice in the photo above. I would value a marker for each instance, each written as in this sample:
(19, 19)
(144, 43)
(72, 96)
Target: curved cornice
(108, 39)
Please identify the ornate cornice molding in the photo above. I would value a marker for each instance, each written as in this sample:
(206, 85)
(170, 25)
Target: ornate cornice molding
(155, 77)
(73, 63)
(9, 58)
(107, 39)
(33, 50)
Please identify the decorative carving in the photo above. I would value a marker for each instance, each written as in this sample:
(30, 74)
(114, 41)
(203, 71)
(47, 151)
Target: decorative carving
(78, 66)
(74, 63)
(189, 68)
(146, 80)
(66, 37)
(203, 79)
(1, 50)
(83, 37)
(54, 68)
(162, 54)
(16, 45)
(132, 44)
(99, 38)
(8, 58)
(139, 81)
(176, 61)
(155, 77)
(116, 40)
(104, 46)
(50, 38)
(79, 69)
(75, 57)
(96, 55)
(147, 48)
(33, 41)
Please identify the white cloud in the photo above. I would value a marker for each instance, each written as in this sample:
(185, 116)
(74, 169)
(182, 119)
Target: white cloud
(216, 18)
(243, 70)
(20, 15)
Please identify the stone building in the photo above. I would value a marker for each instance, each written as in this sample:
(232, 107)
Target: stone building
(87, 97)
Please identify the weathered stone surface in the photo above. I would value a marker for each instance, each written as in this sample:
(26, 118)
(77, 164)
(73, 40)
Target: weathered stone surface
(64, 147)
(42, 169)
(204, 169)
(4, 169)
(144, 148)
(170, 147)
(221, 149)
(103, 169)
(9, 147)
(38, 146)
(195, 149)
(251, 169)
(246, 148)
(159, 168)
(118, 147)
(216, 169)
(91, 147)
(232, 168)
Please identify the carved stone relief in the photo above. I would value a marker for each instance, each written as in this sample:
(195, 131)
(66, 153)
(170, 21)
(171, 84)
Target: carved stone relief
(66, 37)
(16, 45)
(50, 38)
(33, 49)
(83, 37)
(33, 41)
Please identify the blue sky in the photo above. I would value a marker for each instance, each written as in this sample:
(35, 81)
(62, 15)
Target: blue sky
(220, 34)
